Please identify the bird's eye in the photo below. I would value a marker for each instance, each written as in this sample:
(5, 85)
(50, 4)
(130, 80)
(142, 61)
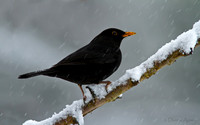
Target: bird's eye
(114, 33)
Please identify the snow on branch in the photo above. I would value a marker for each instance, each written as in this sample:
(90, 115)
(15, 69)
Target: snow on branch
(183, 45)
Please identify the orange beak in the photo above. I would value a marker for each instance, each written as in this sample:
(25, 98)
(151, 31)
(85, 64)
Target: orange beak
(128, 34)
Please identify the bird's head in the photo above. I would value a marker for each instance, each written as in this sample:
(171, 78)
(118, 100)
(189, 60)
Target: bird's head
(116, 33)
(112, 37)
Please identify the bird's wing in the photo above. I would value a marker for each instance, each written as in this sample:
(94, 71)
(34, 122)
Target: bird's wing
(85, 57)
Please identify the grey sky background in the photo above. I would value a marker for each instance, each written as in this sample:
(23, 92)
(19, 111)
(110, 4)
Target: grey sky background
(36, 34)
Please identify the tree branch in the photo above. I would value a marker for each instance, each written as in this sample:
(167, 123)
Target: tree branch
(145, 70)
(114, 94)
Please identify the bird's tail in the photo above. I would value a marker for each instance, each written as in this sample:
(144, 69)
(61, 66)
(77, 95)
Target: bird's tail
(31, 74)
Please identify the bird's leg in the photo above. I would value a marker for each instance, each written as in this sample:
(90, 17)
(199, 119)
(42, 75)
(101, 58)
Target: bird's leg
(107, 84)
(84, 97)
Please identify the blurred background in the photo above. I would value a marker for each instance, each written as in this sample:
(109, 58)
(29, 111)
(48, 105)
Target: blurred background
(35, 34)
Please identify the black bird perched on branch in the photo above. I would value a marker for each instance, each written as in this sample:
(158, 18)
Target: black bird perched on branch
(90, 64)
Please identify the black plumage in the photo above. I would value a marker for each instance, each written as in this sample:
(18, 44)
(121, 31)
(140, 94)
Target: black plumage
(90, 64)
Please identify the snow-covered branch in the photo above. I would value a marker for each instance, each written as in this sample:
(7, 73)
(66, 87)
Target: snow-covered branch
(183, 45)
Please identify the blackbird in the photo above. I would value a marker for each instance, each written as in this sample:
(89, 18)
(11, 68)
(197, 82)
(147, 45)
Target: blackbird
(90, 64)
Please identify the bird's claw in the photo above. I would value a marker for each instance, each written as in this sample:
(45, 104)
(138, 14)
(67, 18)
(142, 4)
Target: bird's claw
(106, 87)
(84, 99)
(107, 84)
(92, 92)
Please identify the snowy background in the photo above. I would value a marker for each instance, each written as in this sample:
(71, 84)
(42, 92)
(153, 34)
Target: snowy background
(35, 34)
